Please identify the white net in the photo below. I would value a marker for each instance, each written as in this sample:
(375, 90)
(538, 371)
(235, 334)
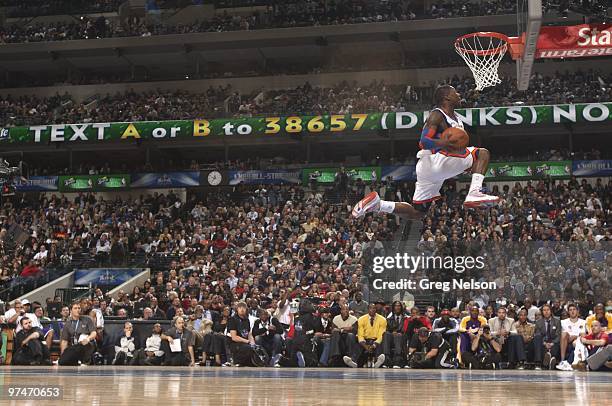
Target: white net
(482, 52)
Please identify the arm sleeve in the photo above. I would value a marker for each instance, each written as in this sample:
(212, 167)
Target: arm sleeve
(454, 329)
(231, 325)
(427, 138)
(494, 327)
(65, 335)
(91, 327)
(360, 330)
(463, 324)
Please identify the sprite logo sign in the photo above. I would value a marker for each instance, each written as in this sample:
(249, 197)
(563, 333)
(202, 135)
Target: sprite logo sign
(83, 183)
(511, 170)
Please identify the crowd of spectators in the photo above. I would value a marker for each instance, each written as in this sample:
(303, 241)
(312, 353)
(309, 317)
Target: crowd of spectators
(32, 8)
(345, 97)
(561, 87)
(272, 246)
(276, 15)
(558, 237)
(466, 8)
(126, 106)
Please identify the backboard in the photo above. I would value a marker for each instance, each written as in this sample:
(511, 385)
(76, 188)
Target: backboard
(529, 20)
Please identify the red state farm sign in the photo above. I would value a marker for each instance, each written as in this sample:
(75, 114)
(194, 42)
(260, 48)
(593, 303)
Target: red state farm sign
(575, 41)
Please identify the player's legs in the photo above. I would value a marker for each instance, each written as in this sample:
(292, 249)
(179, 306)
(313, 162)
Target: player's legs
(425, 188)
(475, 198)
(372, 203)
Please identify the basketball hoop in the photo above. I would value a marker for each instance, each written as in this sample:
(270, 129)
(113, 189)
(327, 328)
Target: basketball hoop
(483, 51)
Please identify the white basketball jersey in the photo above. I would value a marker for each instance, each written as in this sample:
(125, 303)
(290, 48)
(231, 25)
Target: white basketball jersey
(451, 121)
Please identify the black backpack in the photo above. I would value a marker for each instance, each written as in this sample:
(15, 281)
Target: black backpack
(260, 357)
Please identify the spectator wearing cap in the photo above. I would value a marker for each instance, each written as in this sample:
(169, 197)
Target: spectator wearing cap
(344, 334)
(77, 343)
(415, 322)
(469, 327)
(433, 350)
(448, 327)
(370, 330)
(394, 339)
(381, 307)
(322, 336)
(267, 332)
(484, 351)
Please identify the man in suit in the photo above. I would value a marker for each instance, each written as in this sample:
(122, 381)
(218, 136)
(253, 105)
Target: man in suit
(394, 339)
(547, 339)
(370, 330)
(267, 333)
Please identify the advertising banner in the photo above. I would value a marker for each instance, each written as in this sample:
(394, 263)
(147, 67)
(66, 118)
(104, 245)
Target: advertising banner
(165, 180)
(104, 276)
(37, 184)
(574, 41)
(264, 177)
(517, 170)
(592, 168)
(328, 175)
(329, 124)
(86, 183)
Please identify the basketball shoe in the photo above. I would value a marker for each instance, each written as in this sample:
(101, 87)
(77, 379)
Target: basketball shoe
(369, 203)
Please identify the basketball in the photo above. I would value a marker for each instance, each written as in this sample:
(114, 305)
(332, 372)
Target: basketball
(457, 137)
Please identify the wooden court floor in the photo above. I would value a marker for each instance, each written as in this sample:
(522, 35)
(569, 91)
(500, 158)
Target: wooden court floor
(138, 386)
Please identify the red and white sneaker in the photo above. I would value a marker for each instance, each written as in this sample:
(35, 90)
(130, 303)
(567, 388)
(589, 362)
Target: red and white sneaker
(476, 198)
(369, 203)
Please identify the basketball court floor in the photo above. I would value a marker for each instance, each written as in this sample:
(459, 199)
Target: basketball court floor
(137, 386)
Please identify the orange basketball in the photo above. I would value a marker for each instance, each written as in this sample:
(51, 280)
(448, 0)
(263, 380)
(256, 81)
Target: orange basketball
(457, 137)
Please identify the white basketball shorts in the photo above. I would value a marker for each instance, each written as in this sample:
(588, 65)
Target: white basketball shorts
(433, 169)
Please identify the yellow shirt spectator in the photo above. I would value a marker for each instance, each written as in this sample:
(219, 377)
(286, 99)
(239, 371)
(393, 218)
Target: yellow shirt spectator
(367, 330)
(593, 317)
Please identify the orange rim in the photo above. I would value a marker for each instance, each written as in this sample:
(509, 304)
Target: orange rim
(483, 52)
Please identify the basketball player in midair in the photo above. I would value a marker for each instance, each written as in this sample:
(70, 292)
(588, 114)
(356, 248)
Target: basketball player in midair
(439, 159)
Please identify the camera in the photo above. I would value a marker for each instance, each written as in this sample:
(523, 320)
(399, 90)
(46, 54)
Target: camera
(7, 172)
